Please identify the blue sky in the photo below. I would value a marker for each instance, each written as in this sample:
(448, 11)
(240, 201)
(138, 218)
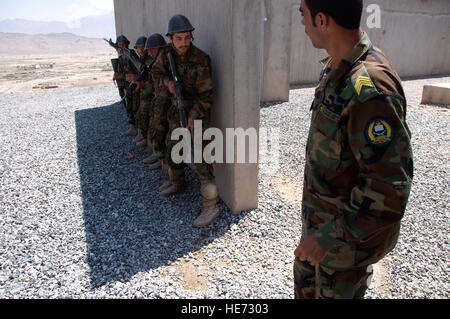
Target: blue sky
(68, 11)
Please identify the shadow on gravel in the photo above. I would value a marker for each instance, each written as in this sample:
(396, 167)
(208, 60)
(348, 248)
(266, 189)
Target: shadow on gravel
(265, 105)
(129, 227)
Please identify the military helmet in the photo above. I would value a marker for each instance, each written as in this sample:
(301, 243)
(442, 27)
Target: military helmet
(155, 41)
(140, 41)
(122, 38)
(179, 23)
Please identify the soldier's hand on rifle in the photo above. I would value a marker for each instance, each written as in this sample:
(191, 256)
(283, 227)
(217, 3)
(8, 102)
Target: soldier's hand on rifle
(116, 76)
(138, 86)
(190, 125)
(130, 77)
(171, 87)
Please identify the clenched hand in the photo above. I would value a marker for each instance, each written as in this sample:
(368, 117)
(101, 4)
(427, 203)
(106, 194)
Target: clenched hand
(310, 250)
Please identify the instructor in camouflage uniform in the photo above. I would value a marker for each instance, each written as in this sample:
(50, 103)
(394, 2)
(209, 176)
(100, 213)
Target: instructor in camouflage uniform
(194, 70)
(359, 164)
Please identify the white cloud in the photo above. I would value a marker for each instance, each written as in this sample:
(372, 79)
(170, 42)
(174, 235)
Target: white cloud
(94, 8)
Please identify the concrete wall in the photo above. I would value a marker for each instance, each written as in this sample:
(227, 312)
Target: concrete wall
(277, 50)
(414, 36)
(222, 29)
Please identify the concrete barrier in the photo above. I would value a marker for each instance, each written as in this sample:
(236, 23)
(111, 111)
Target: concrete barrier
(436, 94)
(230, 32)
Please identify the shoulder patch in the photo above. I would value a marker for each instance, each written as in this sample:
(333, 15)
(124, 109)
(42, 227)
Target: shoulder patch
(379, 132)
(362, 81)
(363, 85)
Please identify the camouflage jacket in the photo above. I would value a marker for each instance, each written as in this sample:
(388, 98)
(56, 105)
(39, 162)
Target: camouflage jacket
(359, 164)
(121, 79)
(148, 89)
(194, 71)
(126, 67)
(147, 59)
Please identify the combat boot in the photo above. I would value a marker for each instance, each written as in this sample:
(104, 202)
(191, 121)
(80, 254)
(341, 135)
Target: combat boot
(166, 183)
(178, 183)
(151, 159)
(132, 131)
(138, 137)
(142, 143)
(173, 190)
(155, 166)
(210, 211)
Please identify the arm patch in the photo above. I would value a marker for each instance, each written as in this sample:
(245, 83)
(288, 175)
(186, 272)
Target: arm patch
(379, 132)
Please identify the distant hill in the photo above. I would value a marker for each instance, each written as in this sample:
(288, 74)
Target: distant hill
(91, 27)
(26, 44)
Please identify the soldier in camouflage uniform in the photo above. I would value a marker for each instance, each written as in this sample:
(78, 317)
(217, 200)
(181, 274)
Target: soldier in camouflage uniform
(194, 71)
(156, 116)
(359, 164)
(118, 77)
(145, 96)
(129, 73)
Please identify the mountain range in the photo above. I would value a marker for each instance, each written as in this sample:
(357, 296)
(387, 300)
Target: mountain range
(92, 27)
(53, 43)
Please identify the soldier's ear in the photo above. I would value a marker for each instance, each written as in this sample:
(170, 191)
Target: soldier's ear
(322, 21)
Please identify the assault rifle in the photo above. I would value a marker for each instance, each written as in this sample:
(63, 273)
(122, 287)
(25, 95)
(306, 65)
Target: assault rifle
(180, 100)
(142, 77)
(129, 54)
(120, 84)
(115, 65)
(144, 70)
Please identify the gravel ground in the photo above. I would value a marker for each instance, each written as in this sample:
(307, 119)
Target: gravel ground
(82, 218)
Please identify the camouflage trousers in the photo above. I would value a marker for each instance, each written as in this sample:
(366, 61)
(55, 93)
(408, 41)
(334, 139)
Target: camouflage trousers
(143, 114)
(132, 107)
(135, 108)
(122, 92)
(204, 171)
(338, 276)
(320, 282)
(158, 125)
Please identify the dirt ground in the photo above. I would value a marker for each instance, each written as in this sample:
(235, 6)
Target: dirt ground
(35, 72)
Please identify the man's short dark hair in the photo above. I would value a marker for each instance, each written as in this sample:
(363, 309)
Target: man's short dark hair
(346, 13)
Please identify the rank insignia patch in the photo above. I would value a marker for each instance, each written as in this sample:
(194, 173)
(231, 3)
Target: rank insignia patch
(361, 82)
(379, 132)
